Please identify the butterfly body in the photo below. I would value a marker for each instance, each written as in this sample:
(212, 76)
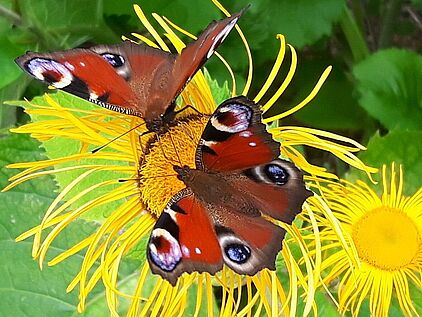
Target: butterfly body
(216, 189)
(133, 79)
(223, 214)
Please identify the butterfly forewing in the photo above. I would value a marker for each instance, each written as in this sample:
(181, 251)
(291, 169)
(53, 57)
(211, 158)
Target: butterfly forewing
(234, 138)
(83, 73)
(130, 78)
(184, 239)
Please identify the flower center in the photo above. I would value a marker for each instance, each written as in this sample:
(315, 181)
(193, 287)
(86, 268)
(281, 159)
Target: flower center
(175, 147)
(386, 238)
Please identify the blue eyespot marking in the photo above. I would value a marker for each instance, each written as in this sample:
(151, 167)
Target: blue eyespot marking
(238, 253)
(114, 59)
(276, 174)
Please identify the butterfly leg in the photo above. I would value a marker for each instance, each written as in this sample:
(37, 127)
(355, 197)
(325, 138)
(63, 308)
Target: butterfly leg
(188, 107)
(163, 152)
(143, 150)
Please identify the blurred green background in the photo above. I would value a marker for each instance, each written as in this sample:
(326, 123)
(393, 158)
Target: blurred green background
(373, 95)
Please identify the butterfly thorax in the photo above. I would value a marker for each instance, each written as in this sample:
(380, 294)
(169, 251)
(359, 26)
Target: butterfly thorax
(215, 189)
(160, 123)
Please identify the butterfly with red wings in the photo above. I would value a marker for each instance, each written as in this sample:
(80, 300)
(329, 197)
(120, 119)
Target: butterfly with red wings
(221, 217)
(129, 78)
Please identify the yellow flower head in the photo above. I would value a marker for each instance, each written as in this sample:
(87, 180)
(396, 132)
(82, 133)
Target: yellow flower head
(144, 182)
(385, 234)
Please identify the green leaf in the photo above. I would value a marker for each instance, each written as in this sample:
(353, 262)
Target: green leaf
(8, 52)
(389, 85)
(8, 115)
(8, 16)
(26, 290)
(303, 22)
(58, 147)
(417, 3)
(192, 15)
(402, 147)
(220, 93)
(66, 23)
(334, 108)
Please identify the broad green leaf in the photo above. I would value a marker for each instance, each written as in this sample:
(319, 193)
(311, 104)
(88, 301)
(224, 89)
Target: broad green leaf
(402, 147)
(8, 115)
(5, 18)
(389, 86)
(59, 147)
(417, 3)
(191, 15)
(66, 23)
(303, 22)
(220, 93)
(25, 289)
(335, 107)
(8, 52)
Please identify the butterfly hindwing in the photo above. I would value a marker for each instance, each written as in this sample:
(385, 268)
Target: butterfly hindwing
(194, 236)
(275, 188)
(248, 243)
(235, 138)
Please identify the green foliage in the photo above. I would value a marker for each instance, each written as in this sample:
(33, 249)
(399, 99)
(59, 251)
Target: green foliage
(220, 93)
(329, 110)
(25, 290)
(373, 95)
(303, 22)
(402, 147)
(59, 147)
(389, 83)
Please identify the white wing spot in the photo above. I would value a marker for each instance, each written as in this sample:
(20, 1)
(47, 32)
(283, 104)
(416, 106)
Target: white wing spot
(245, 134)
(38, 66)
(220, 37)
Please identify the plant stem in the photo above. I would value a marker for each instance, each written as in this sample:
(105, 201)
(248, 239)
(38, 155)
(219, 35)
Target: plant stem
(9, 14)
(354, 36)
(389, 19)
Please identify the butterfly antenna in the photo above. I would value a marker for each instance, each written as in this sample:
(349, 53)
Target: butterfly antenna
(175, 149)
(162, 150)
(116, 138)
(123, 180)
(188, 107)
(140, 143)
(197, 111)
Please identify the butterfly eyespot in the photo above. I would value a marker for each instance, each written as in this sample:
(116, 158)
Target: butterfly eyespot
(164, 250)
(50, 71)
(232, 118)
(114, 59)
(276, 174)
(238, 253)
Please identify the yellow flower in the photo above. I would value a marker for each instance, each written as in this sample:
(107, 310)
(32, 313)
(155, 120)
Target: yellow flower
(385, 234)
(140, 195)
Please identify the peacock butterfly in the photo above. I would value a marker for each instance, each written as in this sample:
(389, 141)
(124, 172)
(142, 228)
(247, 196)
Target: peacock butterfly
(221, 217)
(134, 79)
